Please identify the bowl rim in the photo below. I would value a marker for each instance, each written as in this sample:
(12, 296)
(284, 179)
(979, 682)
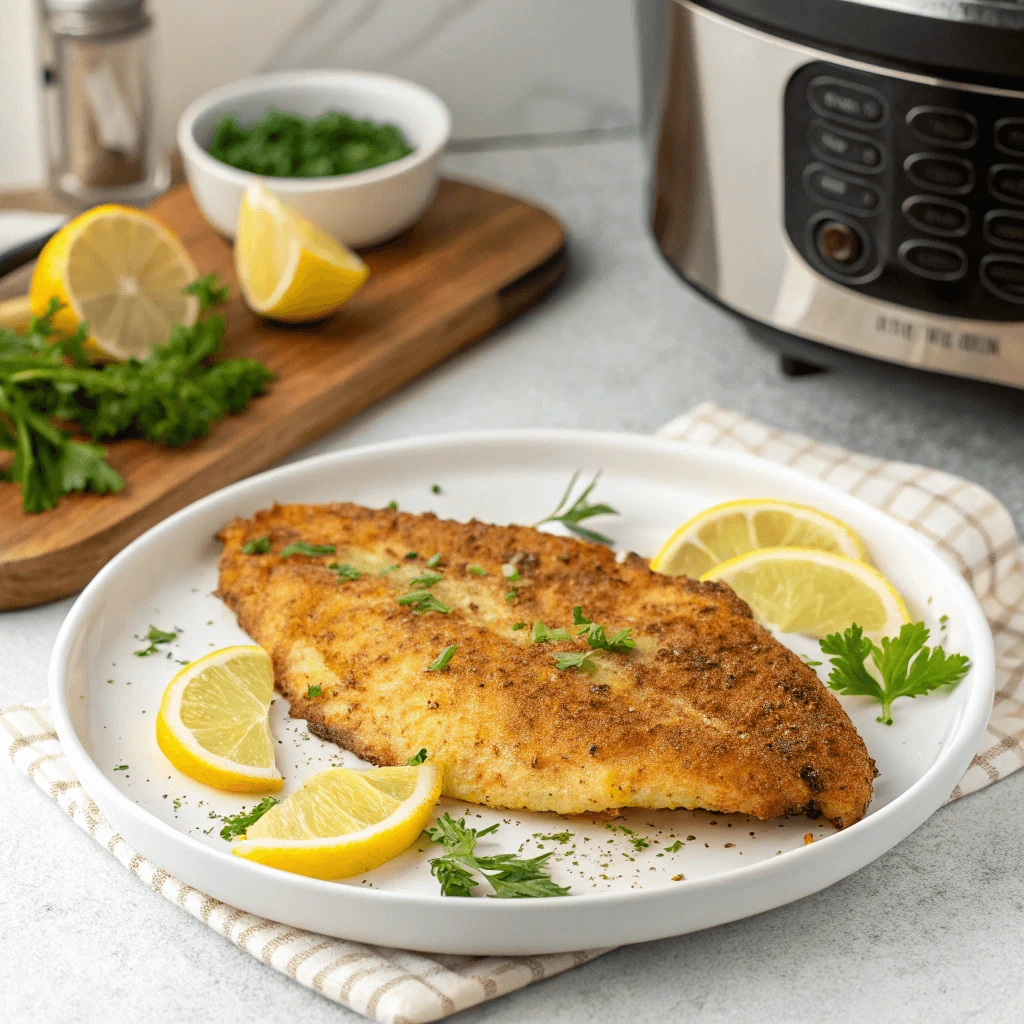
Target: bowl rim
(369, 82)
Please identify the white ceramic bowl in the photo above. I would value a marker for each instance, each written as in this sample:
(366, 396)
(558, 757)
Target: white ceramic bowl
(361, 209)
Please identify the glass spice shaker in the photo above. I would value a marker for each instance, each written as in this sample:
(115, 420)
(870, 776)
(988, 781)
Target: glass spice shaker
(99, 103)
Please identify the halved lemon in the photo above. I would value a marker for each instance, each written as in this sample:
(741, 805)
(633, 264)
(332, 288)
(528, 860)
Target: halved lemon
(343, 822)
(213, 721)
(802, 590)
(735, 527)
(288, 268)
(121, 271)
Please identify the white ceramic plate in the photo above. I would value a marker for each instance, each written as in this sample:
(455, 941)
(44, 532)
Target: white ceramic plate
(105, 701)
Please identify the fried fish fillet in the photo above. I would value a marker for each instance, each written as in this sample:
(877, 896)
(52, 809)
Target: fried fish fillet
(708, 710)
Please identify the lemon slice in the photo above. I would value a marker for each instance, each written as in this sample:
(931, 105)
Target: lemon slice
(343, 822)
(289, 269)
(213, 721)
(801, 590)
(121, 271)
(735, 527)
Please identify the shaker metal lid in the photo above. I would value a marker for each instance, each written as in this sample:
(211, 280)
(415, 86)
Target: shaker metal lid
(90, 6)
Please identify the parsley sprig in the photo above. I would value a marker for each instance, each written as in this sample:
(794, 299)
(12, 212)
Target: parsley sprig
(907, 667)
(418, 758)
(423, 601)
(440, 663)
(257, 546)
(346, 573)
(236, 824)
(155, 636)
(300, 547)
(620, 643)
(508, 875)
(544, 634)
(570, 516)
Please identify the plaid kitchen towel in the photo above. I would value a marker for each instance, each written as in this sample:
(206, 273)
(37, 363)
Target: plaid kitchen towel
(963, 521)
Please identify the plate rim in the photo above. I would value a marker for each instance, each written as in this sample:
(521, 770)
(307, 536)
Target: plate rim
(952, 760)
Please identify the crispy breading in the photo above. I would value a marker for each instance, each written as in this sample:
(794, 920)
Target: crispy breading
(708, 710)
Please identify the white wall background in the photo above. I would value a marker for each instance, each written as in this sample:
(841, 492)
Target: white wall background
(506, 67)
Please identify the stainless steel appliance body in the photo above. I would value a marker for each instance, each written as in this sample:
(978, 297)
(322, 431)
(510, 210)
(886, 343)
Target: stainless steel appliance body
(844, 200)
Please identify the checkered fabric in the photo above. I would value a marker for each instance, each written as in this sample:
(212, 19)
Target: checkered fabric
(964, 522)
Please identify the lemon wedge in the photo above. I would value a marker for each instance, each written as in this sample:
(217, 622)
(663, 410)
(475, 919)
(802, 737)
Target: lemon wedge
(122, 272)
(802, 590)
(288, 269)
(735, 527)
(213, 721)
(342, 822)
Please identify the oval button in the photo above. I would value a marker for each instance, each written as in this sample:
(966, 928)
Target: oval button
(935, 260)
(937, 216)
(941, 173)
(847, 149)
(854, 104)
(1010, 135)
(1003, 276)
(833, 188)
(943, 127)
(1006, 182)
(1004, 227)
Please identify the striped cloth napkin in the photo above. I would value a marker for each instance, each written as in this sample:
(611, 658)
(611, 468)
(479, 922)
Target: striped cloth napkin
(964, 522)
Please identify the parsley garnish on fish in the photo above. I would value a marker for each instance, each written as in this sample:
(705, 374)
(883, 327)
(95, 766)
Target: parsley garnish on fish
(508, 875)
(387, 569)
(440, 663)
(420, 756)
(426, 579)
(424, 601)
(314, 690)
(542, 634)
(907, 667)
(411, 555)
(434, 561)
(155, 636)
(476, 570)
(393, 505)
(257, 546)
(575, 659)
(618, 644)
(236, 824)
(516, 626)
(510, 572)
(346, 573)
(300, 547)
(570, 516)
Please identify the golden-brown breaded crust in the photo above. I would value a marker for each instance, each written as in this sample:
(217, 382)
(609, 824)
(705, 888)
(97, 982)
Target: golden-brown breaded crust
(708, 711)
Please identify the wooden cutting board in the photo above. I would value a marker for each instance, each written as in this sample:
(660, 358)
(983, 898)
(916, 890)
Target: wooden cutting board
(475, 260)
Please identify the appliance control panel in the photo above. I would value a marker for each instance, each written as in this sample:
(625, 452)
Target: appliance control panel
(906, 191)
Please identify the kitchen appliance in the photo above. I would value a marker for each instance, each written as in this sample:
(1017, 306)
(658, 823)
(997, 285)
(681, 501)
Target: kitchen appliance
(848, 175)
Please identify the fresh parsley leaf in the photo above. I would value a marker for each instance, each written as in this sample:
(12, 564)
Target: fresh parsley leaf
(440, 663)
(236, 824)
(208, 291)
(300, 547)
(346, 573)
(424, 601)
(510, 572)
(426, 579)
(121, 768)
(516, 626)
(434, 561)
(578, 618)
(393, 505)
(411, 555)
(476, 570)
(907, 667)
(555, 837)
(542, 634)
(418, 758)
(155, 636)
(620, 643)
(675, 847)
(257, 546)
(314, 690)
(512, 595)
(570, 516)
(509, 876)
(575, 659)
(435, 488)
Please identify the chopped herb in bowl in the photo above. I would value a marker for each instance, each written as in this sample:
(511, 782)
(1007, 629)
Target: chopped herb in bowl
(284, 145)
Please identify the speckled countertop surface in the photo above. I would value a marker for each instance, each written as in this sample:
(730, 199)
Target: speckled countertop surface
(930, 932)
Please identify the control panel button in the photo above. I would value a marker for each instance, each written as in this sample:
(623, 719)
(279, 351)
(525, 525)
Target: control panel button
(941, 127)
(1003, 276)
(937, 216)
(839, 244)
(1010, 135)
(937, 261)
(940, 173)
(833, 188)
(1004, 227)
(854, 104)
(847, 149)
(1006, 182)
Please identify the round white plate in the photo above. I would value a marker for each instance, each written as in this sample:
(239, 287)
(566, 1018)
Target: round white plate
(724, 867)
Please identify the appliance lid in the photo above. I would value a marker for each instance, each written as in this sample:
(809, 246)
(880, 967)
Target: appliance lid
(973, 40)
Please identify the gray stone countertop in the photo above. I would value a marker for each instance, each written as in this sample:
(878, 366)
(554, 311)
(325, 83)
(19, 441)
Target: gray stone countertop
(929, 932)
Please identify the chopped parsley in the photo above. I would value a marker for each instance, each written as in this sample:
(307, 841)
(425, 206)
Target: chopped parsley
(257, 546)
(675, 847)
(434, 561)
(555, 837)
(440, 663)
(426, 579)
(424, 601)
(638, 841)
(575, 659)
(512, 595)
(410, 555)
(418, 758)
(155, 636)
(346, 573)
(393, 505)
(314, 690)
(907, 667)
(121, 768)
(476, 570)
(572, 515)
(435, 488)
(300, 547)
(387, 569)
(508, 875)
(618, 644)
(510, 572)
(542, 634)
(236, 824)
(516, 626)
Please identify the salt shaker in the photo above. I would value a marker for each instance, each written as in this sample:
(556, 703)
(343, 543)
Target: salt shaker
(99, 102)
